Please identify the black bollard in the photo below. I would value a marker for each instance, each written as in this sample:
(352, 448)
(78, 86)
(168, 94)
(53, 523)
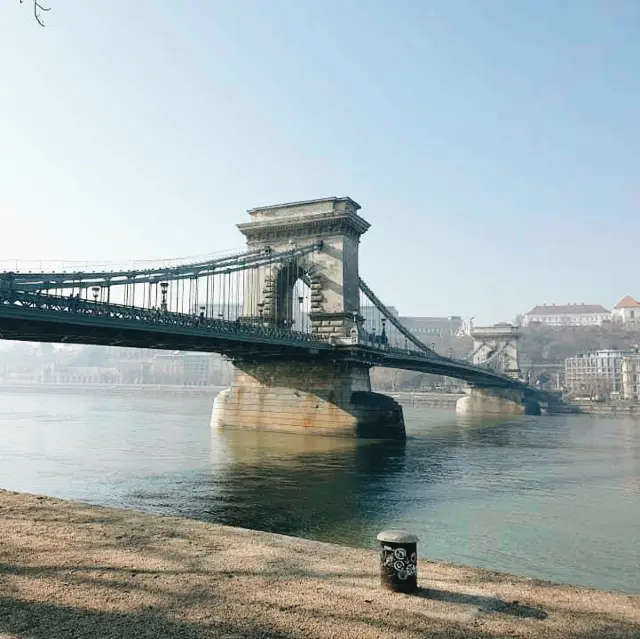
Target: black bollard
(398, 561)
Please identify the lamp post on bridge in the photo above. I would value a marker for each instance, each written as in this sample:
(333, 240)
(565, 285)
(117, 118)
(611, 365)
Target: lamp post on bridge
(300, 302)
(96, 292)
(261, 312)
(163, 289)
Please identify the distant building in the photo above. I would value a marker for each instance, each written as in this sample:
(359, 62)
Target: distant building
(423, 327)
(626, 310)
(597, 374)
(630, 372)
(181, 369)
(84, 375)
(198, 368)
(165, 368)
(559, 316)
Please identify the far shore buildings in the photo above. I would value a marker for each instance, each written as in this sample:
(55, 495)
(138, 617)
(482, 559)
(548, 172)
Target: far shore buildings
(630, 377)
(604, 374)
(626, 310)
(596, 374)
(559, 316)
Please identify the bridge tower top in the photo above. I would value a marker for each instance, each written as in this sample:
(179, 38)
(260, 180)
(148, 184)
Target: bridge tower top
(497, 347)
(331, 273)
(307, 220)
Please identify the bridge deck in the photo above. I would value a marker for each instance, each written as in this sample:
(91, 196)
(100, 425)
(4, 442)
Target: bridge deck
(47, 318)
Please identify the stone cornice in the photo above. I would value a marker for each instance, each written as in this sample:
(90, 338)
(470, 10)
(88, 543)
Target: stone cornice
(327, 203)
(310, 225)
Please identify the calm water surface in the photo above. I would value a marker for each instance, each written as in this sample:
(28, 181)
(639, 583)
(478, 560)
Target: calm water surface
(549, 497)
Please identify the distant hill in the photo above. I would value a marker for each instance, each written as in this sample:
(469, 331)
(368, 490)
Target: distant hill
(541, 345)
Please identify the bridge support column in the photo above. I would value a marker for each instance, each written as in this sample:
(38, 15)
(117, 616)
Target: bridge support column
(301, 397)
(497, 401)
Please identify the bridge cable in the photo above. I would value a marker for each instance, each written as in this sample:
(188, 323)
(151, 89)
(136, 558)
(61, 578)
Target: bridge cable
(394, 320)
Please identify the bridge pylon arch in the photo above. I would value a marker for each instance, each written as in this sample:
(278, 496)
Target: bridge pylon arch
(496, 347)
(331, 272)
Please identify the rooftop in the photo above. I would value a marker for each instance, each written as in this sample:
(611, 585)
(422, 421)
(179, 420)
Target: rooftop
(567, 309)
(628, 302)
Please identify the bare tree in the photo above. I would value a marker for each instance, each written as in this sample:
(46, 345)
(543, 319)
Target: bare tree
(37, 7)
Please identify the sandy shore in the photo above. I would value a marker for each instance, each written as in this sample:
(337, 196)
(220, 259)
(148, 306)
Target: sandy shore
(69, 570)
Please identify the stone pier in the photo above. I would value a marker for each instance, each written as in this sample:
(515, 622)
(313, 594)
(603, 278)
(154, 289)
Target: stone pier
(497, 401)
(301, 397)
(497, 346)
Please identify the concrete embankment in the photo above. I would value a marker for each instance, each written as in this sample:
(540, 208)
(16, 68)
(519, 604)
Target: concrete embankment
(72, 570)
(432, 399)
(608, 409)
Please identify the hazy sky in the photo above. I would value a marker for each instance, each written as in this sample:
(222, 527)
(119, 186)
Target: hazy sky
(493, 145)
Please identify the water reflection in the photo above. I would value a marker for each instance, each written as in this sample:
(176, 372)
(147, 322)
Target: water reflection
(304, 485)
(339, 489)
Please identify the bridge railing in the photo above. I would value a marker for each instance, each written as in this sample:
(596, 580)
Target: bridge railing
(40, 304)
(154, 316)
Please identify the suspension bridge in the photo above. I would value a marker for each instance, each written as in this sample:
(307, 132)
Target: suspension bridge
(290, 310)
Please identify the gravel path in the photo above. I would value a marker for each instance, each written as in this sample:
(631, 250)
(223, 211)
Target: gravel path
(69, 570)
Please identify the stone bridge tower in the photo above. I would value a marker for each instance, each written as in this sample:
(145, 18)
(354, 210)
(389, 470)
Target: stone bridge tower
(331, 273)
(497, 347)
(314, 395)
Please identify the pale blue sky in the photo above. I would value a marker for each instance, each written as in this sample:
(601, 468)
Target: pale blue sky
(493, 145)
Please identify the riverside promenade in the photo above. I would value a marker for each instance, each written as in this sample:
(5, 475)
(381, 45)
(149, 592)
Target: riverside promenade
(70, 570)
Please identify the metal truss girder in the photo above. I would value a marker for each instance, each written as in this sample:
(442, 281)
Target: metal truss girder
(396, 358)
(49, 309)
(47, 318)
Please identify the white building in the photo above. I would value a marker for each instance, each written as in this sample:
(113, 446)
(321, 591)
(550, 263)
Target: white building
(626, 310)
(597, 375)
(631, 377)
(559, 316)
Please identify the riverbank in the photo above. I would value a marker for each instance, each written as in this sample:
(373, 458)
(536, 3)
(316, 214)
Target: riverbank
(73, 570)
(608, 408)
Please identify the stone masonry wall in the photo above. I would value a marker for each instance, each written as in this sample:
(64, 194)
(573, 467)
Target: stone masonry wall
(303, 397)
(496, 402)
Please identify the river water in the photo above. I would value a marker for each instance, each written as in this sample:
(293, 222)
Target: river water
(552, 497)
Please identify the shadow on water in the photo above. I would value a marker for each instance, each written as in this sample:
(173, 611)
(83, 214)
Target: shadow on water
(333, 489)
(303, 485)
(328, 488)
(476, 430)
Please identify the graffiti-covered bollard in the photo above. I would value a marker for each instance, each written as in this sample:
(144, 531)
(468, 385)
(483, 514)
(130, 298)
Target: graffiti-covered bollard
(398, 560)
